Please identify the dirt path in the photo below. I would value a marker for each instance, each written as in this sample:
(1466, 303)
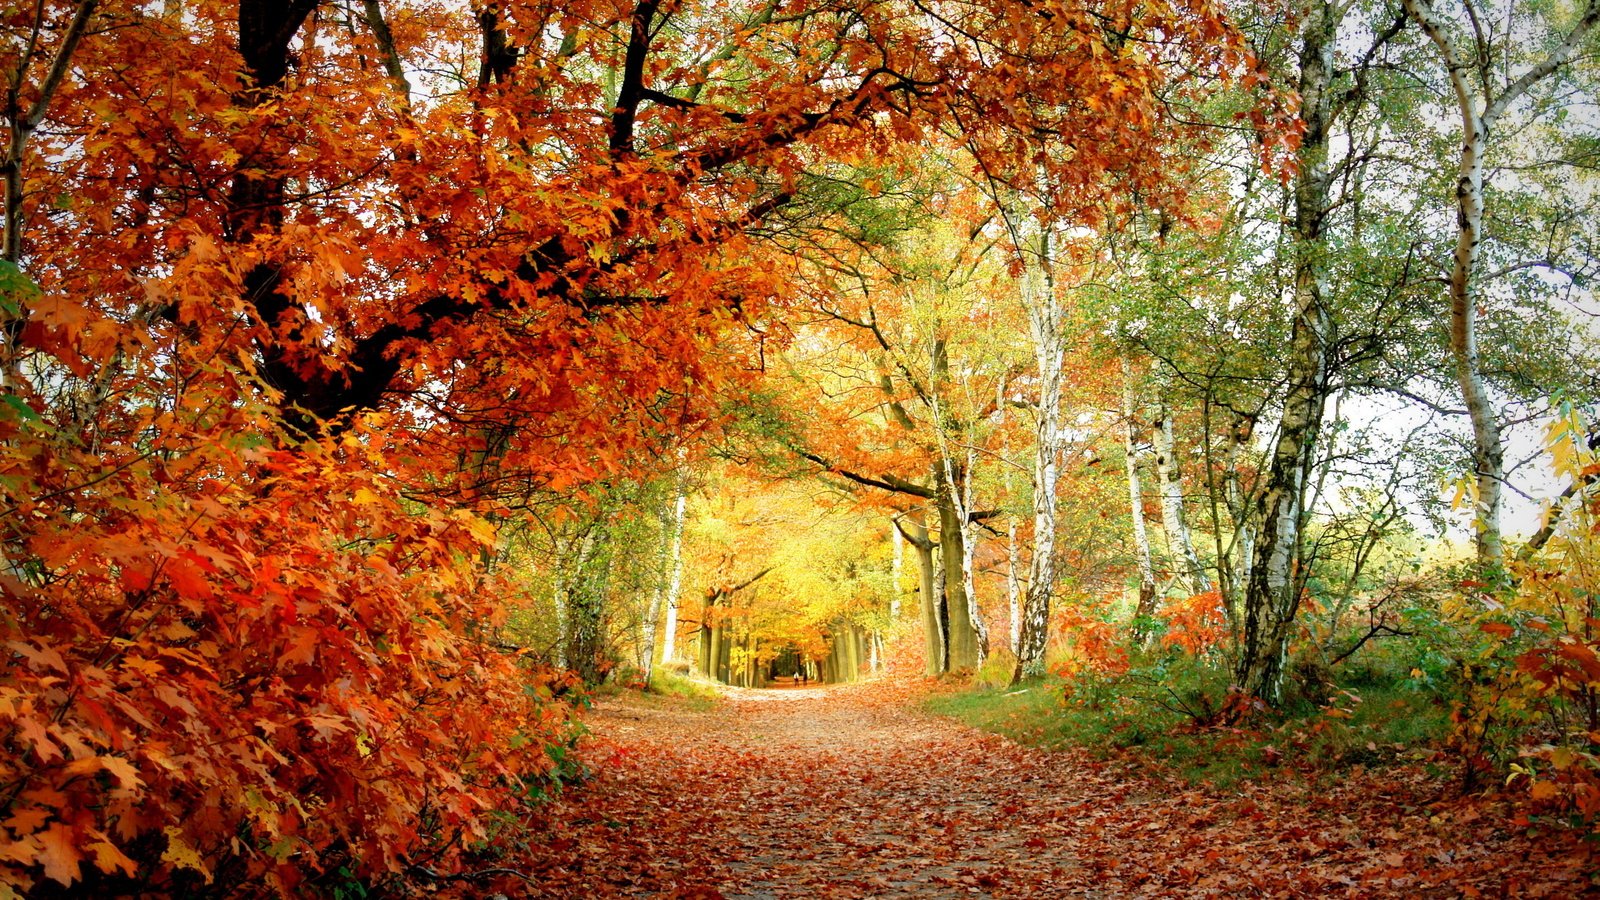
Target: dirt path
(847, 792)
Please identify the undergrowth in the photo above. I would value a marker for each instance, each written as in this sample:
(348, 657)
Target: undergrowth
(1169, 712)
(695, 693)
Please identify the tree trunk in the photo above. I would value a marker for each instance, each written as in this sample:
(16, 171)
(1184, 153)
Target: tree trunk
(1049, 349)
(1488, 456)
(658, 596)
(1173, 517)
(932, 625)
(675, 581)
(1145, 611)
(558, 599)
(1242, 430)
(942, 602)
(1272, 595)
(1013, 580)
(1468, 74)
(1013, 586)
(969, 545)
(896, 571)
(707, 651)
(963, 636)
(21, 123)
(586, 607)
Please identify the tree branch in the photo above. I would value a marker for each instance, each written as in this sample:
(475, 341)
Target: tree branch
(632, 89)
(892, 483)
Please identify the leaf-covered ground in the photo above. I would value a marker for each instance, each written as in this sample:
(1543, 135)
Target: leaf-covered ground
(850, 792)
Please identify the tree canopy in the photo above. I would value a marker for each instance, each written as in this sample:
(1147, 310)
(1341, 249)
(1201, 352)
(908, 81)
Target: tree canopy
(378, 374)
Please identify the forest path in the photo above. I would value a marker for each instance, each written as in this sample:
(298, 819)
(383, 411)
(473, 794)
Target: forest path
(849, 792)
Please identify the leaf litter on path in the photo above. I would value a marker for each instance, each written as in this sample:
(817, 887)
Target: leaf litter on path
(844, 792)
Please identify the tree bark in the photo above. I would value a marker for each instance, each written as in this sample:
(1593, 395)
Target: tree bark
(669, 578)
(1145, 611)
(585, 605)
(963, 636)
(1272, 596)
(1234, 558)
(716, 645)
(969, 545)
(895, 572)
(1049, 349)
(916, 534)
(1013, 586)
(669, 642)
(1174, 519)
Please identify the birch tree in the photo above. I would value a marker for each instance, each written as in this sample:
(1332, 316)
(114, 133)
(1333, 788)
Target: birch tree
(668, 585)
(1173, 511)
(1041, 301)
(1479, 67)
(1272, 596)
(1145, 610)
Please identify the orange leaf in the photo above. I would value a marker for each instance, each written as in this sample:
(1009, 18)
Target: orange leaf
(1498, 629)
(108, 857)
(59, 854)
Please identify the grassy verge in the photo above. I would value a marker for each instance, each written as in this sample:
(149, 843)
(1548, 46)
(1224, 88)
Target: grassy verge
(697, 694)
(1171, 723)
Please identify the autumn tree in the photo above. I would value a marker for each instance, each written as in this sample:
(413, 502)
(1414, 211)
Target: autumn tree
(304, 298)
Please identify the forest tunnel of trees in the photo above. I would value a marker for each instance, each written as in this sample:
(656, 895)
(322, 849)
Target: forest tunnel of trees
(376, 374)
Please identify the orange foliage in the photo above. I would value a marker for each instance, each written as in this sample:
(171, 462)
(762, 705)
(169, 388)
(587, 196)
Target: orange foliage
(282, 340)
(247, 657)
(1196, 624)
(1094, 641)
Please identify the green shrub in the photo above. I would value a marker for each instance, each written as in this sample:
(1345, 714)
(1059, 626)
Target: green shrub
(698, 692)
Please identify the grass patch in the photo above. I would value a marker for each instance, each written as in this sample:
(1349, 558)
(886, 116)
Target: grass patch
(695, 693)
(1166, 716)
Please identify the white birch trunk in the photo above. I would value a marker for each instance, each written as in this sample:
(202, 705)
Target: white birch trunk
(560, 602)
(1272, 595)
(647, 627)
(668, 570)
(669, 645)
(1013, 583)
(1049, 347)
(1173, 519)
(1469, 74)
(1141, 534)
(1013, 586)
(969, 541)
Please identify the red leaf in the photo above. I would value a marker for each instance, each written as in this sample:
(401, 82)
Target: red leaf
(1498, 629)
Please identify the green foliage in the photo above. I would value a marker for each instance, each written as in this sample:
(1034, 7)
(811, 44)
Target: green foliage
(1170, 712)
(16, 288)
(348, 886)
(996, 671)
(697, 693)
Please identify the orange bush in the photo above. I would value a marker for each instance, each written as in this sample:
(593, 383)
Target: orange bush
(244, 663)
(1196, 624)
